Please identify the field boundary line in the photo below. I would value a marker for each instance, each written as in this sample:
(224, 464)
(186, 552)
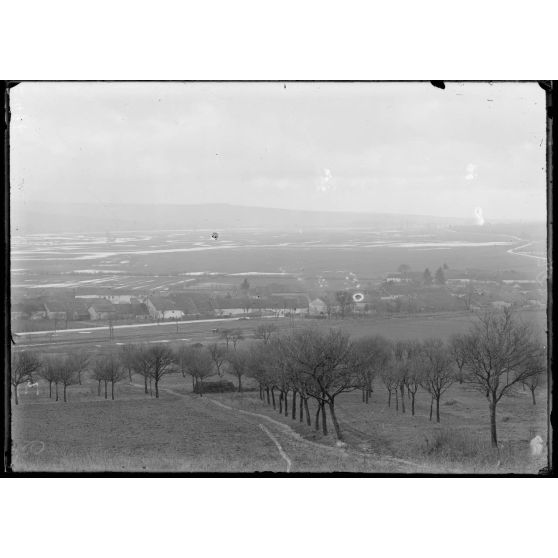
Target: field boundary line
(276, 442)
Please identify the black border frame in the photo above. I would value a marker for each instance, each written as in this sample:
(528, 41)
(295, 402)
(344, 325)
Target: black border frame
(549, 88)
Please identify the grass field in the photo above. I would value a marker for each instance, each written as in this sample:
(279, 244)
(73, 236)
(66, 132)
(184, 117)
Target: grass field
(227, 433)
(421, 326)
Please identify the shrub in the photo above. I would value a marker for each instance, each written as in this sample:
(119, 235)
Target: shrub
(217, 386)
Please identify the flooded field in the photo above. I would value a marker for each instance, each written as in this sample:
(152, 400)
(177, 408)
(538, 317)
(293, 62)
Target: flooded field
(159, 260)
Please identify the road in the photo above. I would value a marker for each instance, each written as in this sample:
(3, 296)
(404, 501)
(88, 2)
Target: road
(191, 330)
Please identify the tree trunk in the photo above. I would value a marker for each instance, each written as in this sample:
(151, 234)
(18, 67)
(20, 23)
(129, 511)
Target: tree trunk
(533, 395)
(273, 397)
(286, 403)
(239, 384)
(106, 389)
(79, 371)
(493, 434)
(396, 400)
(308, 421)
(334, 420)
(56, 389)
(389, 398)
(412, 404)
(130, 374)
(431, 404)
(50, 389)
(112, 390)
(65, 393)
(267, 394)
(281, 403)
(301, 408)
(324, 418)
(402, 389)
(145, 382)
(293, 414)
(438, 409)
(16, 396)
(151, 387)
(157, 389)
(317, 418)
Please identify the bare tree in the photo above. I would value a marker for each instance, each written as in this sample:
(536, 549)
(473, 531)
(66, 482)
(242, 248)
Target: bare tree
(265, 331)
(113, 370)
(499, 351)
(414, 376)
(537, 365)
(237, 335)
(199, 364)
(375, 354)
(67, 375)
(438, 373)
(161, 362)
(24, 365)
(78, 361)
(218, 354)
(456, 348)
(326, 361)
(390, 379)
(142, 364)
(98, 374)
(226, 335)
(238, 361)
(127, 359)
(50, 366)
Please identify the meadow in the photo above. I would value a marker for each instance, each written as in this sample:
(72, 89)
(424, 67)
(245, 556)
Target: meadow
(238, 432)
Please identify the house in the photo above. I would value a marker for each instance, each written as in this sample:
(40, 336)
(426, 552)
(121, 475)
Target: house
(163, 308)
(55, 310)
(293, 304)
(193, 304)
(77, 310)
(102, 309)
(119, 299)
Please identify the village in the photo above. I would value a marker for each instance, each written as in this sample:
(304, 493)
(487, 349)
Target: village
(403, 291)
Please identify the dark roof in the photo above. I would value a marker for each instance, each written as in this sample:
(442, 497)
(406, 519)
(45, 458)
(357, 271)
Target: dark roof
(102, 305)
(226, 303)
(55, 306)
(193, 303)
(163, 303)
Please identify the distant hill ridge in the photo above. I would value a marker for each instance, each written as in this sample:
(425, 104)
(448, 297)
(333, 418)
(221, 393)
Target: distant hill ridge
(88, 218)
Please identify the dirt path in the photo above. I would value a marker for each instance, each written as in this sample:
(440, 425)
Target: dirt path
(303, 455)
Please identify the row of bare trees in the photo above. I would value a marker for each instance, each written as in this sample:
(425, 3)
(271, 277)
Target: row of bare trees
(498, 354)
(64, 370)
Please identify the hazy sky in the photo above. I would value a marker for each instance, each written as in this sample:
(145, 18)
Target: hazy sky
(375, 147)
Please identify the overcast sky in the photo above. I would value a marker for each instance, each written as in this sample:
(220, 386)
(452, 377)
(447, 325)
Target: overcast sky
(375, 147)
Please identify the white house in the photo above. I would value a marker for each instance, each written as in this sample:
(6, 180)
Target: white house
(161, 308)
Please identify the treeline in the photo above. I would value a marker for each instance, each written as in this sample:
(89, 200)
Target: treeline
(498, 354)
